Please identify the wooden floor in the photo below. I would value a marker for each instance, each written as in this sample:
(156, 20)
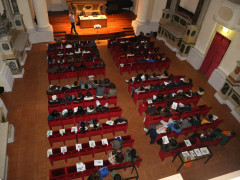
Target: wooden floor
(115, 23)
(27, 110)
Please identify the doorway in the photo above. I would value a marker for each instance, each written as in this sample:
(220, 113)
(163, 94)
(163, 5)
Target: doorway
(215, 54)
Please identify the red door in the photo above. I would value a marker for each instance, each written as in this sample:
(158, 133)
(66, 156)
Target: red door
(215, 54)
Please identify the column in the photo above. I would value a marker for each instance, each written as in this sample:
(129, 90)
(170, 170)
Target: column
(15, 7)
(155, 15)
(140, 24)
(44, 30)
(40, 8)
(8, 9)
(142, 11)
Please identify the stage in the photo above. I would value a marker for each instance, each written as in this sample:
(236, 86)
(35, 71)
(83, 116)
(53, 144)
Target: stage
(117, 25)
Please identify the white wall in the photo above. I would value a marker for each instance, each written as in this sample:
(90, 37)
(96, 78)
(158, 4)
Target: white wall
(150, 9)
(208, 31)
(135, 6)
(208, 27)
(57, 5)
(232, 55)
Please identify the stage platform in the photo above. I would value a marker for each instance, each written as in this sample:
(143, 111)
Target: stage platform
(118, 25)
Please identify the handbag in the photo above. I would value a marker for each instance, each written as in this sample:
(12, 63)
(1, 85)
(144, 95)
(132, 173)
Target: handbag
(103, 171)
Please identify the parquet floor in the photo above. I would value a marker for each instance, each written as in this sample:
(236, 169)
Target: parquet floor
(27, 106)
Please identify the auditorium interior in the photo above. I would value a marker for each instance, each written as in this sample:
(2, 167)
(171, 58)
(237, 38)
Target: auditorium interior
(196, 41)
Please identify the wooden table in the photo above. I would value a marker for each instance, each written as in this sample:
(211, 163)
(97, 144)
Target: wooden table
(90, 21)
(184, 160)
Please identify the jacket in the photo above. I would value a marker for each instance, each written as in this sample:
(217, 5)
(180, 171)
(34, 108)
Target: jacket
(100, 91)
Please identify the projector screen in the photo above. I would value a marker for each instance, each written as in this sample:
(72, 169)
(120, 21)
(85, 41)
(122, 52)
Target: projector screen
(189, 5)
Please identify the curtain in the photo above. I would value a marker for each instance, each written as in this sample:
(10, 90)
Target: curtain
(215, 54)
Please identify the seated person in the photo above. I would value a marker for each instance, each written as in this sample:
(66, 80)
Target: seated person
(151, 59)
(79, 111)
(170, 83)
(54, 100)
(91, 109)
(155, 129)
(100, 91)
(75, 85)
(112, 91)
(130, 54)
(116, 157)
(72, 67)
(88, 96)
(51, 60)
(181, 108)
(83, 12)
(80, 97)
(61, 60)
(131, 155)
(85, 86)
(66, 99)
(77, 50)
(52, 68)
(54, 115)
(94, 124)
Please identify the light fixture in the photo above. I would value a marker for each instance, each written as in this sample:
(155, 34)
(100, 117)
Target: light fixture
(225, 29)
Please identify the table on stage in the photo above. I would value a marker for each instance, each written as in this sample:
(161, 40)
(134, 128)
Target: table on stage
(90, 21)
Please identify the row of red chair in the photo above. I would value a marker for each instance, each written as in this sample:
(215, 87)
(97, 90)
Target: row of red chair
(118, 53)
(144, 66)
(77, 63)
(76, 73)
(84, 103)
(149, 94)
(61, 94)
(201, 110)
(68, 135)
(196, 143)
(128, 39)
(117, 47)
(187, 131)
(65, 50)
(112, 112)
(137, 84)
(134, 59)
(127, 141)
(70, 172)
(81, 43)
(144, 105)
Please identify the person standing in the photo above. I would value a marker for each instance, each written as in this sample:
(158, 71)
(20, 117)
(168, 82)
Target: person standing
(72, 19)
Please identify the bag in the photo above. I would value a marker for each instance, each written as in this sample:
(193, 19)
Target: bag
(103, 172)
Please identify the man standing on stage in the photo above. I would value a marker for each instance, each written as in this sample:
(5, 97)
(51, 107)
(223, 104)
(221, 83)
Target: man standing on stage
(72, 19)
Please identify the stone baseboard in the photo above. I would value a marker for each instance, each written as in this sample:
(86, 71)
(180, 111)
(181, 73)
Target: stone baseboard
(40, 35)
(195, 58)
(19, 75)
